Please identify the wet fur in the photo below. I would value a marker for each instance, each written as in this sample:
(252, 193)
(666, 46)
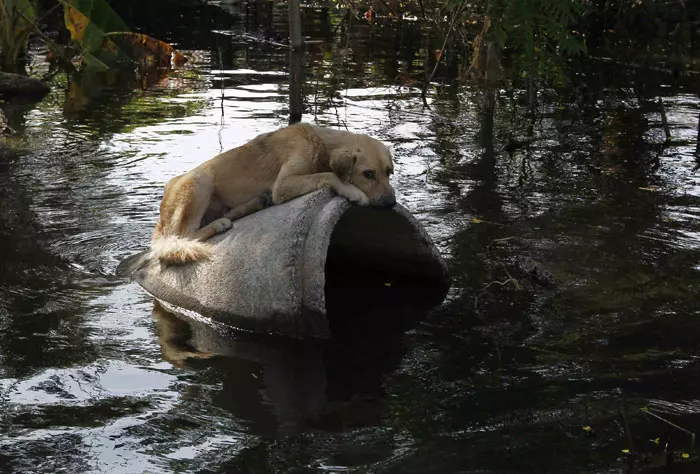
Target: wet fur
(284, 164)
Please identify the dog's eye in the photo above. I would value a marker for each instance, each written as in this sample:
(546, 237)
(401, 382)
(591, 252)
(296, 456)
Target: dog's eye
(369, 174)
(389, 171)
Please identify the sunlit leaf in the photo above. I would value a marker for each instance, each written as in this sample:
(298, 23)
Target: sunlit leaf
(76, 23)
(148, 51)
(105, 39)
(89, 20)
(100, 13)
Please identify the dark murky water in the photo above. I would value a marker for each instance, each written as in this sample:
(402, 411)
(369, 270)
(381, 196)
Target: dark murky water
(592, 230)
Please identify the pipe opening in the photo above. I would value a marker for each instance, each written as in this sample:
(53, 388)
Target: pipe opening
(381, 263)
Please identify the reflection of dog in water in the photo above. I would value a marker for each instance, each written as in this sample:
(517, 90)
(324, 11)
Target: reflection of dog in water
(174, 336)
(272, 168)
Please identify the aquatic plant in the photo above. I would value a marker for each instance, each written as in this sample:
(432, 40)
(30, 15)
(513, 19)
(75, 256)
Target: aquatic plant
(17, 19)
(101, 37)
(540, 34)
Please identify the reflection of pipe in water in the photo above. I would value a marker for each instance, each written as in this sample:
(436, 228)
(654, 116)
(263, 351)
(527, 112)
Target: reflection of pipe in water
(273, 383)
(282, 386)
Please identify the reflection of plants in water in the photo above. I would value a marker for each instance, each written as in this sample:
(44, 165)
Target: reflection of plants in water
(123, 109)
(113, 101)
(88, 86)
(100, 34)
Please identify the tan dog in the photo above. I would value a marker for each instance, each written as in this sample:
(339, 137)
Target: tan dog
(284, 164)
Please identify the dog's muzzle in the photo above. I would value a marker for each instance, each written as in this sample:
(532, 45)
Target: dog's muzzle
(386, 202)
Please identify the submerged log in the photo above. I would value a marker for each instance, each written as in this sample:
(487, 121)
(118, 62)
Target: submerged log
(268, 273)
(17, 85)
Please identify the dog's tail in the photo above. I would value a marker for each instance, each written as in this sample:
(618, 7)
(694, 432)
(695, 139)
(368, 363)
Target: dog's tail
(179, 250)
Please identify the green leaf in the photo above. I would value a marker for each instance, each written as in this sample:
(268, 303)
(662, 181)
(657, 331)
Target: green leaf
(89, 21)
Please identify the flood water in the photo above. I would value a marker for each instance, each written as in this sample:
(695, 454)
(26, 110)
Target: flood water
(568, 342)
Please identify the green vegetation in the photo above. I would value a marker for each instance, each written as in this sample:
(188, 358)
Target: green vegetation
(539, 39)
(539, 33)
(17, 21)
(99, 35)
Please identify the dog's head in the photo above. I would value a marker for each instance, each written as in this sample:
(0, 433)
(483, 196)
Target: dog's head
(366, 163)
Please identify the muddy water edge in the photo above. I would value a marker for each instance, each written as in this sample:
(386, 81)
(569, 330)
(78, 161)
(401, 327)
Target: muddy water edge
(568, 342)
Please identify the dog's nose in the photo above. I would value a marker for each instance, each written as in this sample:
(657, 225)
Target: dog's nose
(386, 202)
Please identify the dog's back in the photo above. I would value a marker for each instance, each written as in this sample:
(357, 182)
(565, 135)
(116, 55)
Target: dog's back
(285, 164)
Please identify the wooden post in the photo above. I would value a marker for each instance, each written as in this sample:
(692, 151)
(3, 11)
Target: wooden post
(664, 120)
(295, 39)
(295, 93)
(296, 52)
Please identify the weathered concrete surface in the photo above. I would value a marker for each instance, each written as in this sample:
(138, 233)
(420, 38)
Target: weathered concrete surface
(267, 274)
(17, 85)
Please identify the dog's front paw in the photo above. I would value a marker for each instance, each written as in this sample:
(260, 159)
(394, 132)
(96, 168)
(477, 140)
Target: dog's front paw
(222, 225)
(353, 194)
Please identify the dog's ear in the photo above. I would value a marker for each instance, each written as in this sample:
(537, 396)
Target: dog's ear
(342, 165)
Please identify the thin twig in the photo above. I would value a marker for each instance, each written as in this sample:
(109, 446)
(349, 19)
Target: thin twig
(51, 44)
(48, 12)
(627, 428)
(499, 283)
(692, 435)
(442, 50)
(502, 283)
(504, 239)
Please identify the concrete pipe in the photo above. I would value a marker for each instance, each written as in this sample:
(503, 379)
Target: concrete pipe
(268, 273)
